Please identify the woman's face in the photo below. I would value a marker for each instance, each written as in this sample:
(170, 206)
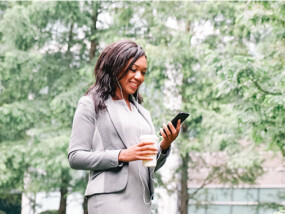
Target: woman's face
(135, 76)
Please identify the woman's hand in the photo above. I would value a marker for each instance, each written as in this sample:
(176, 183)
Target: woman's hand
(170, 135)
(138, 152)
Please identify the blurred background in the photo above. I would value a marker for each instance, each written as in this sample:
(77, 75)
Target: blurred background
(223, 62)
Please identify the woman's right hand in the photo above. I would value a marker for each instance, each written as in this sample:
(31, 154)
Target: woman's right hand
(138, 152)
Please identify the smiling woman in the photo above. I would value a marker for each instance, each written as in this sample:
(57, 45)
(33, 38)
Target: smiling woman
(107, 126)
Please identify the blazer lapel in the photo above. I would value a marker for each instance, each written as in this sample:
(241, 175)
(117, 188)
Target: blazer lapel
(114, 115)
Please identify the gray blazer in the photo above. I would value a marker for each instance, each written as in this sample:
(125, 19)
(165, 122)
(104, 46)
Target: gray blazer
(96, 140)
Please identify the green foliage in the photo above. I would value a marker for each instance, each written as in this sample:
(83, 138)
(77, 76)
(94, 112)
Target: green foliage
(40, 88)
(232, 81)
(21, 32)
(13, 165)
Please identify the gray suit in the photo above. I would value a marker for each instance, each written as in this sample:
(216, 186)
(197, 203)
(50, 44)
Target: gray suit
(95, 143)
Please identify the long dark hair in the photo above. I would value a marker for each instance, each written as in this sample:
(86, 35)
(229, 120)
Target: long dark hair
(110, 64)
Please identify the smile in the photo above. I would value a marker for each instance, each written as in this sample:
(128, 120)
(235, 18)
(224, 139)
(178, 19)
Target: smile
(134, 84)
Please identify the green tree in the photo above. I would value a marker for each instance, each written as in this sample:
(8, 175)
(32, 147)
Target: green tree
(203, 61)
(44, 70)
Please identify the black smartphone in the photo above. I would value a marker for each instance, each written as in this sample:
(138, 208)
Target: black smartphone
(180, 116)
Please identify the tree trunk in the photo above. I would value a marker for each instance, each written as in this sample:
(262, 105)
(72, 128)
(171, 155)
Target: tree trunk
(92, 49)
(65, 178)
(183, 207)
(85, 211)
(187, 26)
(94, 18)
(70, 39)
(84, 204)
(63, 197)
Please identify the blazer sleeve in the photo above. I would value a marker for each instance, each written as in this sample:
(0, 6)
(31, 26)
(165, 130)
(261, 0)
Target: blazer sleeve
(80, 155)
(161, 157)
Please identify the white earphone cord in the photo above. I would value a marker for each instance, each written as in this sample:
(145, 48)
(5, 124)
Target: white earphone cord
(152, 173)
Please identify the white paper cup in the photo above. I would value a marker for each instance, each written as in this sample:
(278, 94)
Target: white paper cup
(154, 139)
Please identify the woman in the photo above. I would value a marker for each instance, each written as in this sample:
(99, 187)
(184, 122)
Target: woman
(105, 134)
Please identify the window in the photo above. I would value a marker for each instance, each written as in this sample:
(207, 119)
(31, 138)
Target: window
(235, 200)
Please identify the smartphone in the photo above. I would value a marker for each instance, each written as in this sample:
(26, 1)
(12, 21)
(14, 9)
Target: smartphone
(180, 116)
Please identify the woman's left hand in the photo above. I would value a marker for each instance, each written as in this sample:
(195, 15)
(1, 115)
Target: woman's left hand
(170, 135)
